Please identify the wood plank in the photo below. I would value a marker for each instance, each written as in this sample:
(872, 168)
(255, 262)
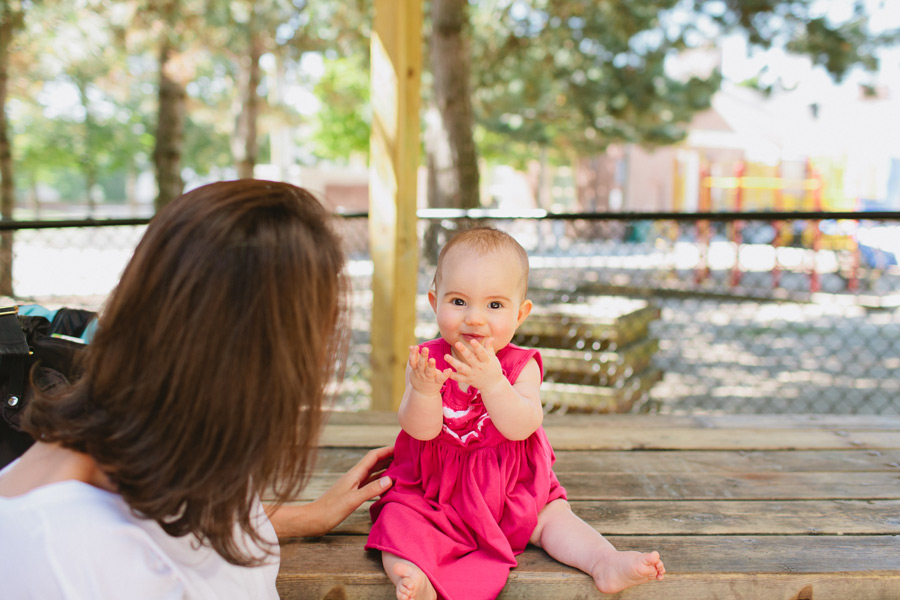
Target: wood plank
(619, 421)
(650, 437)
(578, 398)
(769, 586)
(744, 565)
(338, 460)
(686, 461)
(705, 486)
(739, 517)
(597, 368)
(763, 554)
(307, 558)
(718, 517)
(668, 438)
(838, 422)
(600, 324)
(744, 486)
(752, 507)
(674, 587)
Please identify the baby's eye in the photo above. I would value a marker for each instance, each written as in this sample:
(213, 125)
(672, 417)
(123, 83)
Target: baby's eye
(458, 302)
(495, 304)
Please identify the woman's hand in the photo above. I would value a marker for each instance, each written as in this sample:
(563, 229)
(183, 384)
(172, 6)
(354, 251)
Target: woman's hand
(362, 482)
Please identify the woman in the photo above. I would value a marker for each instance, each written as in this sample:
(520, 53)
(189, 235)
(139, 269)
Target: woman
(201, 392)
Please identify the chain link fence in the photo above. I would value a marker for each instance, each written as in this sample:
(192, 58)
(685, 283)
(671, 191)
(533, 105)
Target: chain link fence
(670, 313)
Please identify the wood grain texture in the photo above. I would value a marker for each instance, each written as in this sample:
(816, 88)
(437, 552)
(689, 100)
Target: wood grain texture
(699, 486)
(338, 460)
(740, 507)
(791, 422)
(718, 517)
(652, 437)
(867, 564)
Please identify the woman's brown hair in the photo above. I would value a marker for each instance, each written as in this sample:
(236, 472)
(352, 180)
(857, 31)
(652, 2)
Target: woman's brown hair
(204, 383)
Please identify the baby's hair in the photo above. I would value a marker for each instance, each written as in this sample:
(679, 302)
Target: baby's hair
(485, 240)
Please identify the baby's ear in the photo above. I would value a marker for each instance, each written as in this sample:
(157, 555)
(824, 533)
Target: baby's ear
(524, 311)
(432, 298)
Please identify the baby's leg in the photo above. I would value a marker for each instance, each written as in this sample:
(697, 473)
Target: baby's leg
(570, 540)
(411, 582)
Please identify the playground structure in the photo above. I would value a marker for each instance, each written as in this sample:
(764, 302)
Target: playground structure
(764, 189)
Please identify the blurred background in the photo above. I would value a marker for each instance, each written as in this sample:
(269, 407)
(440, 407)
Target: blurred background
(709, 191)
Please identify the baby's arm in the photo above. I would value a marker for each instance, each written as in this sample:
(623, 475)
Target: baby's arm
(421, 410)
(515, 409)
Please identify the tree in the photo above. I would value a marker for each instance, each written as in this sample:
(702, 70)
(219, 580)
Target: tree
(247, 32)
(83, 48)
(249, 29)
(343, 122)
(576, 75)
(450, 144)
(11, 21)
(167, 29)
(99, 132)
(174, 74)
(342, 125)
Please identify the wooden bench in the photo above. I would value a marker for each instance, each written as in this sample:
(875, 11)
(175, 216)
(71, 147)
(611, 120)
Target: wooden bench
(750, 507)
(597, 352)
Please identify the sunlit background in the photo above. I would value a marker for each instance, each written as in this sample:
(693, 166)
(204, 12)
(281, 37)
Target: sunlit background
(605, 137)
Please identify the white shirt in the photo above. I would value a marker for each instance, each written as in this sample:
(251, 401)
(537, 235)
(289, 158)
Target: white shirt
(74, 541)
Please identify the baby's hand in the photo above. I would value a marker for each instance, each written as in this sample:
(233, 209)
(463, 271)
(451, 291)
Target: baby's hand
(424, 376)
(479, 366)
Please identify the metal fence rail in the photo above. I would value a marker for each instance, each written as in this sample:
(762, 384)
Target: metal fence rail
(732, 313)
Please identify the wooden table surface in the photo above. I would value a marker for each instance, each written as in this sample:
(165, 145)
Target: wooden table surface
(773, 507)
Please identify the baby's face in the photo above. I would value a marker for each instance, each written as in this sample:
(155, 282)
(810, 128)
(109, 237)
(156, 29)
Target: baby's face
(479, 296)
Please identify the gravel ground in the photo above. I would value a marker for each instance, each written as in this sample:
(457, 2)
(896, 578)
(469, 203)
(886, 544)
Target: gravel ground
(748, 357)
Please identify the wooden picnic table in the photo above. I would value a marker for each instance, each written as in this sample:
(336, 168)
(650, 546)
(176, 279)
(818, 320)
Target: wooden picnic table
(774, 507)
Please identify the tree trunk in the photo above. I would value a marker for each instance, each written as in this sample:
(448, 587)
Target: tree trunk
(131, 189)
(245, 146)
(7, 187)
(33, 198)
(450, 144)
(170, 127)
(88, 164)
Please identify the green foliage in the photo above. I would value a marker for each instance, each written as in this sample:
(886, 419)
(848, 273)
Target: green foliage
(558, 77)
(577, 75)
(342, 125)
(80, 114)
(210, 122)
(206, 148)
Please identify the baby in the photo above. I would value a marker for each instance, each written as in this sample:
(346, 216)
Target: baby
(472, 470)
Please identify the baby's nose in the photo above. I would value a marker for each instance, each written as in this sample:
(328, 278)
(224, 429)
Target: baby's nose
(475, 315)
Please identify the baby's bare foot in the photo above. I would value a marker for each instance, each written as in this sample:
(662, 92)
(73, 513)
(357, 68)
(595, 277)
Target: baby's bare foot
(412, 584)
(619, 570)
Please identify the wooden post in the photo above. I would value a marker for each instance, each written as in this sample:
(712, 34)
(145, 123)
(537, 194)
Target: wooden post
(395, 76)
(815, 284)
(704, 228)
(777, 226)
(737, 226)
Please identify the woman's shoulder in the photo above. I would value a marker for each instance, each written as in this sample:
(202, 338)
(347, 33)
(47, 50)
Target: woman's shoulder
(59, 535)
(69, 516)
(74, 535)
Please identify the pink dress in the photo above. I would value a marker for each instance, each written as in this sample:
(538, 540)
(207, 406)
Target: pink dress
(465, 503)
